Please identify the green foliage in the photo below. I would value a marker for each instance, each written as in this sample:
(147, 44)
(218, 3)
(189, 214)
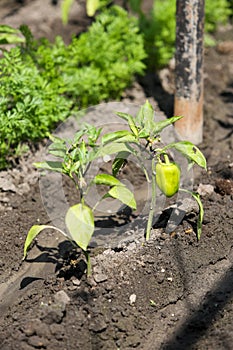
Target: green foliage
(110, 53)
(164, 29)
(159, 27)
(98, 64)
(216, 12)
(9, 35)
(41, 83)
(231, 7)
(30, 105)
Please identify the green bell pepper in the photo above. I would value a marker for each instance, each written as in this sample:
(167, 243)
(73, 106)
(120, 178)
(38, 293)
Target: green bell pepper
(168, 176)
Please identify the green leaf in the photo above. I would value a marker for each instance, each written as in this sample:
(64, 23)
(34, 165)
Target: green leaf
(201, 214)
(58, 149)
(10, 39)
(91, 7)
(145, 117)
(58, 153)
(190, 151)
(33, 232)
(114, 147)
(143, 133)
(130, 121)
(49, 165)
(7, 29)
(128, 138)
(83, 154)
(125, 116)
(75, 167)
(159, 126)
(119, 136)
(80, 223)
(65, 7)
(57, 145)
(119, 162)
(124, 195)
(8, 35)
(56, 139)
(106, 179)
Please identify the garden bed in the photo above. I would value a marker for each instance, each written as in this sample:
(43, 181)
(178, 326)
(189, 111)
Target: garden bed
(171, 292)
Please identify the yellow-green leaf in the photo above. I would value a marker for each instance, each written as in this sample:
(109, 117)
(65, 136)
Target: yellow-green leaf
(106, 179)
(190, 151)
(124, 195)
(118, 136)
(33, 232)
(113, 147)
(65, 8)
(80, 223)
(91, 7)
(49, 165)
(119, 161)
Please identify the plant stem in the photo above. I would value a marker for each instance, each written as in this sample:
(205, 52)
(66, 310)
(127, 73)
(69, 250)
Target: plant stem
(153, 202)
(96, 204)
(88, 259)
(166, 158)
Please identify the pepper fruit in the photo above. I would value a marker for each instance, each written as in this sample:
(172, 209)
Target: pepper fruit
(167, 176)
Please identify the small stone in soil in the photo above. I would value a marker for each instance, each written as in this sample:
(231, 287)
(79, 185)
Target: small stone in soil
(132, 298)
(100, 277)
(76, 282)
(37, 342)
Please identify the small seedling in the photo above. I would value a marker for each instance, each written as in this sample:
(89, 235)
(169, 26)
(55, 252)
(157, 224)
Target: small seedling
(76, 156)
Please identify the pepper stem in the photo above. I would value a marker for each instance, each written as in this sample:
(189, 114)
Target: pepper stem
(88, 260)
(166, 158)
(153, 202)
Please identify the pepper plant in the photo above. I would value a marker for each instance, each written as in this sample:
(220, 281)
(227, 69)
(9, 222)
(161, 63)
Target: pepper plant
(141, 139)
(75, 157)
(144, 134)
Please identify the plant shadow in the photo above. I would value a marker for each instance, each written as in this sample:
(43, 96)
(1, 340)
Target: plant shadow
(68, 260)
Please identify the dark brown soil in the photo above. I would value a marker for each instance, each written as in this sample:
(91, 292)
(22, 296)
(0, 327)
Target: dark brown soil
(171, 292)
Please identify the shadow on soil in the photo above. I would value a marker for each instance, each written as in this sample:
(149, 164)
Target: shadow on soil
(204, 316)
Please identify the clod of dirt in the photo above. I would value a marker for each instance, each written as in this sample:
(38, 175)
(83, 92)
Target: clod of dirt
(52, 313)
(62, 298)
(205, 190)
(225, 48)
(224, 186)
(6, 185)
